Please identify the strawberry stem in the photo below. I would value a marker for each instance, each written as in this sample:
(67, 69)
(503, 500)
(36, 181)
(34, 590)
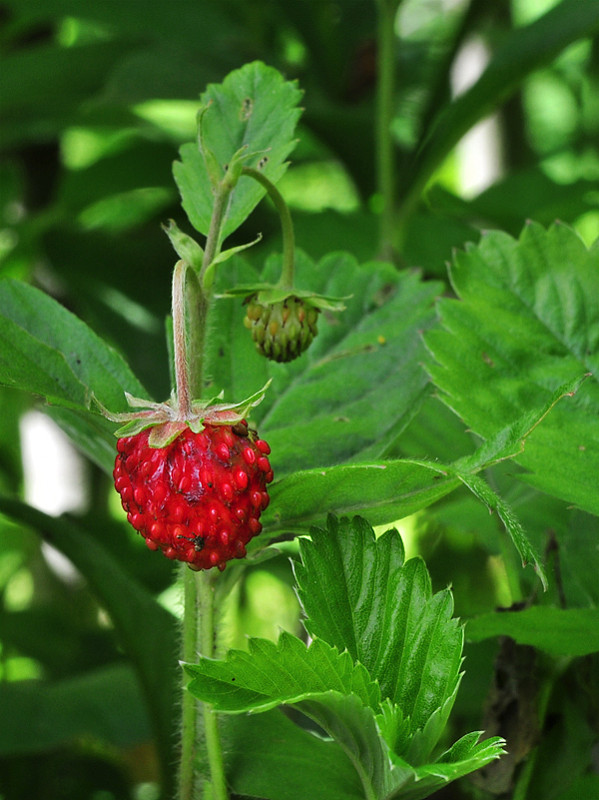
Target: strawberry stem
(191, 301)
(180, 336)
(213, 240)
(205, 586)
(189, 713)
(287, 274)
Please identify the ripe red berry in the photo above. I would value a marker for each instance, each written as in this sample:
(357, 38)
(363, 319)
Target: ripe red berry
(198, 499)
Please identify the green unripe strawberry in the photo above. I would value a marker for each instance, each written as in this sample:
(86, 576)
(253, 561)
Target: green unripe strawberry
(282, 331)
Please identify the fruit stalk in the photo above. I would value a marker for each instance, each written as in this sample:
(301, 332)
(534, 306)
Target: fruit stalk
(180, 337)
(288, 271)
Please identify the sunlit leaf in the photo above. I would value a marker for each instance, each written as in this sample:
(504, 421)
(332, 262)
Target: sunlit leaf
(256, 108)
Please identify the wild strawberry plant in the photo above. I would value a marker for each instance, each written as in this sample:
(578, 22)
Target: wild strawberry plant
(360, 378)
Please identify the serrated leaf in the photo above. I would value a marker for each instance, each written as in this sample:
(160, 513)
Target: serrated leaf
(559, 631)
(466, 756)
(359, 595)
(526, 323)
(270, 674)
(336, 690)
(253, 107)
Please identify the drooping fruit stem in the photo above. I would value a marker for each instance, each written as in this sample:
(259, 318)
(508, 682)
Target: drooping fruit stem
(180, 339)
(287, 274)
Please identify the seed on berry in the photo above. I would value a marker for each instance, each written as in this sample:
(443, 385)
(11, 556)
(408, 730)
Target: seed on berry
(263, 464)
(249, 456)
(241, 479)
(223, 452)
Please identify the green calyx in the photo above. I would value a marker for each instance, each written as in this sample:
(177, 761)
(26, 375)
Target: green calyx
(167, 422)
(282, 331)
(283, 322)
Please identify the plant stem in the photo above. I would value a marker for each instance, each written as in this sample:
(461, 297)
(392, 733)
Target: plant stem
(287, 274)
(189, 712)
(385, 148)
(213, 240)
(182, 376)
(207, 644)
(191, 303)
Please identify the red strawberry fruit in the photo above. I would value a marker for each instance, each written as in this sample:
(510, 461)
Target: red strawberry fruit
(199, 497)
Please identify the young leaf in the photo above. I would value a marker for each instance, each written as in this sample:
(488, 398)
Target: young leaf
(359, 595)
(526, 323)
(256, 108)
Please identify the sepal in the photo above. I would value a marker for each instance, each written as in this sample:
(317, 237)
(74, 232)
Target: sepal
(167, 422)
(270, 293)
(186, 248)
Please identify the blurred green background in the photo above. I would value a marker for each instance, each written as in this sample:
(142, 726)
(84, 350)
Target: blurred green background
(95, 99)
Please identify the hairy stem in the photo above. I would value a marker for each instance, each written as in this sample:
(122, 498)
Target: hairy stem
(180, 337)
(189, 710)
(213, 240)
(207, 644)
(191, 303)
(288, 272)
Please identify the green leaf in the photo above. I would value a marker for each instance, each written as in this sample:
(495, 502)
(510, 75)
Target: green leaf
(360, 382)
(466, 756)
(286, 755)
(388, 490)
(105, 705)
(528, 554)
(147, 632)
(419, 659)
(253, 107)
(46, 350)
(359, 595)
(526, 324)
(558, 631)
(270, 674)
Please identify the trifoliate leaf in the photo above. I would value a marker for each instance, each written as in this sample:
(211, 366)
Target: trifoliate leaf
(359, 595)
(527, 323)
